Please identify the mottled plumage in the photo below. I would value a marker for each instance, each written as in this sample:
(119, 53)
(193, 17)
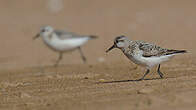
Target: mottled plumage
(143, 53)
(150, 50)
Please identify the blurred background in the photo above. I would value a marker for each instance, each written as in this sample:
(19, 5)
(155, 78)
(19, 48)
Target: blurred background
(27, 81)
(168, 23)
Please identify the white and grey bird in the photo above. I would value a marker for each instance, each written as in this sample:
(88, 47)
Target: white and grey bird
(62, 41)
(144, 54)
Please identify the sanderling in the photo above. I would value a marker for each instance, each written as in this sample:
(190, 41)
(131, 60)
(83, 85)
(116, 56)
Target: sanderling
(144, 54)
(62, 41)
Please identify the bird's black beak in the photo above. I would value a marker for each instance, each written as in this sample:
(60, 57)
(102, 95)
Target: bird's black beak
(113, 46)
(36, 36)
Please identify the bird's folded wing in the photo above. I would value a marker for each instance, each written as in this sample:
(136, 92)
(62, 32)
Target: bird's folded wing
(65, 35)
(150, 50)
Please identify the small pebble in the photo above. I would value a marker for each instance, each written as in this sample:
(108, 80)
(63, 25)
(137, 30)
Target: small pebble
(101, 80)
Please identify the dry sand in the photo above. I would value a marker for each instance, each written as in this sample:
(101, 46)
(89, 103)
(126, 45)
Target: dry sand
(107, 82)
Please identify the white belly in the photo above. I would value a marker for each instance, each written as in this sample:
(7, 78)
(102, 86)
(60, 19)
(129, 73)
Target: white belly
(67, 44)
(149, 62)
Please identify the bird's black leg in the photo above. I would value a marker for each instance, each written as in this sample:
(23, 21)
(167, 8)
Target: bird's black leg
(59, 59)
(145, 75)
(159, 72)
(82, 55)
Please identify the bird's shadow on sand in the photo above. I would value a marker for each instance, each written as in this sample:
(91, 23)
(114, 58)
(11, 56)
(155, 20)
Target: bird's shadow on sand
(119, 81)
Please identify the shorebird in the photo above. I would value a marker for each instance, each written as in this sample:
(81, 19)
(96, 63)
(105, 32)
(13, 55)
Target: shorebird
(144, 54)
(62, 41)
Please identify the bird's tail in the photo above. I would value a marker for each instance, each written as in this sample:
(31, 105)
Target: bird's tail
(93, 36)
(169, 52)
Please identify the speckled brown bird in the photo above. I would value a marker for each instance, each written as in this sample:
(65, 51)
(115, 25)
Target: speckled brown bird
(144, 54)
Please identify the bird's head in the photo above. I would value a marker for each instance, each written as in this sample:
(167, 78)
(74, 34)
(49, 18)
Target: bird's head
(119, 42)
(44, 31)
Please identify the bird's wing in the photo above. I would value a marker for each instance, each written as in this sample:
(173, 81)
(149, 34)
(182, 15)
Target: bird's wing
(150, 50)
(65, 35)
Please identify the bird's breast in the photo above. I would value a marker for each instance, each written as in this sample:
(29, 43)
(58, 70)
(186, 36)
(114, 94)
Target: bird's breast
(136, 58)
(66, 44)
